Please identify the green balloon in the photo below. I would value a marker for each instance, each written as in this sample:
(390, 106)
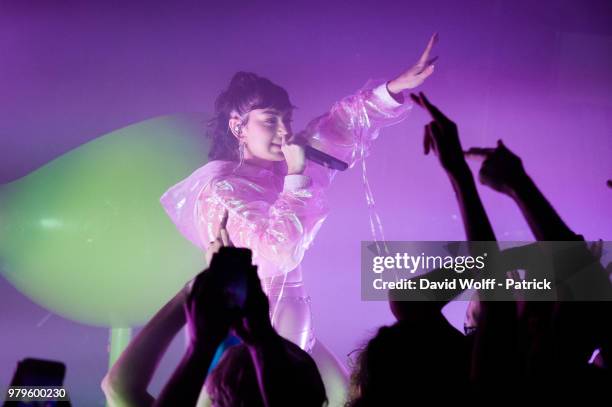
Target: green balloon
(86, 237)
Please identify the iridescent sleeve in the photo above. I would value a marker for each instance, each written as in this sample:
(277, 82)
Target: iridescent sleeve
(348, 129)
(277, 232)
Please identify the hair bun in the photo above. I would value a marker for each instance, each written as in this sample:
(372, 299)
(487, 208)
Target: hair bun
(243, 79)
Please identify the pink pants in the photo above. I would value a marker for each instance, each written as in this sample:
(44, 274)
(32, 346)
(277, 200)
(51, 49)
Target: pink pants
(291, 313)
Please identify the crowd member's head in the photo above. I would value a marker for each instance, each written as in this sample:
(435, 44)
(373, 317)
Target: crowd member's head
(265, 366)
(408, 361)
(381, 368)
(234, 381)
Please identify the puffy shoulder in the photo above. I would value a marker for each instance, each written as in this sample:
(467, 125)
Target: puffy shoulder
(179, 201)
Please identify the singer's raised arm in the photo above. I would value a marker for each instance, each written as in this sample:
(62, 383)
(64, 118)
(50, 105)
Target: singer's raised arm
(348, 129)
(346, 132)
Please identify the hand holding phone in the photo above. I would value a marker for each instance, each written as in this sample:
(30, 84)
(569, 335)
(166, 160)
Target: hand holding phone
(218, 295)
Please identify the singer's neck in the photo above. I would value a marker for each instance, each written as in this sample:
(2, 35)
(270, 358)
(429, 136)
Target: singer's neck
(261, 163)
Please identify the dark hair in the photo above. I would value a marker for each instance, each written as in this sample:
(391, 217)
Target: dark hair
(246, 91)
(375, 364)
(233, 382)
(421, 354)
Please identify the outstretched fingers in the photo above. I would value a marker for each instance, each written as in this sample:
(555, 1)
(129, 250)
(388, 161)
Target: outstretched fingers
(425, 73)
(425, 56)
(427, 141)
(223, 234)
(416, 100)
(433, 135)
(433, 111)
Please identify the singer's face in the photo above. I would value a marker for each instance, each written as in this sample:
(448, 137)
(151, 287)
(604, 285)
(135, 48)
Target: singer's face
(265, 131)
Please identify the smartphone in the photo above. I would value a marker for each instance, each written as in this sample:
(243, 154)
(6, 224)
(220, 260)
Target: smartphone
(231, 264)
(38, 372)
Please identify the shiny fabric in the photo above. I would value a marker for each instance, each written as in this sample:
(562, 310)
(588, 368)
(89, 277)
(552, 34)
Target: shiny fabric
(277, 217)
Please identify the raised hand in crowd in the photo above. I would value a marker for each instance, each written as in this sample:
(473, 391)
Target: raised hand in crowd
(503, 171)
(210, 315)
(560, 337)
(229, 296)
(442, 138)
(222, 239)
(495, 341)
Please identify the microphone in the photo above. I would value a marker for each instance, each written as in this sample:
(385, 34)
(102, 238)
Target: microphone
(324, 159)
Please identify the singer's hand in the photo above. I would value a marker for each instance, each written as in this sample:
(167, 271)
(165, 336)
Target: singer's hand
(416, 75)
(295, 156)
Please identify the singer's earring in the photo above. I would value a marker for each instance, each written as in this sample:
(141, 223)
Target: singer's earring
(241, 152)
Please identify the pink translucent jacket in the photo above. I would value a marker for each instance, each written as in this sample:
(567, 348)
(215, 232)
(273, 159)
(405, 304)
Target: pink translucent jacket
(277, 216)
